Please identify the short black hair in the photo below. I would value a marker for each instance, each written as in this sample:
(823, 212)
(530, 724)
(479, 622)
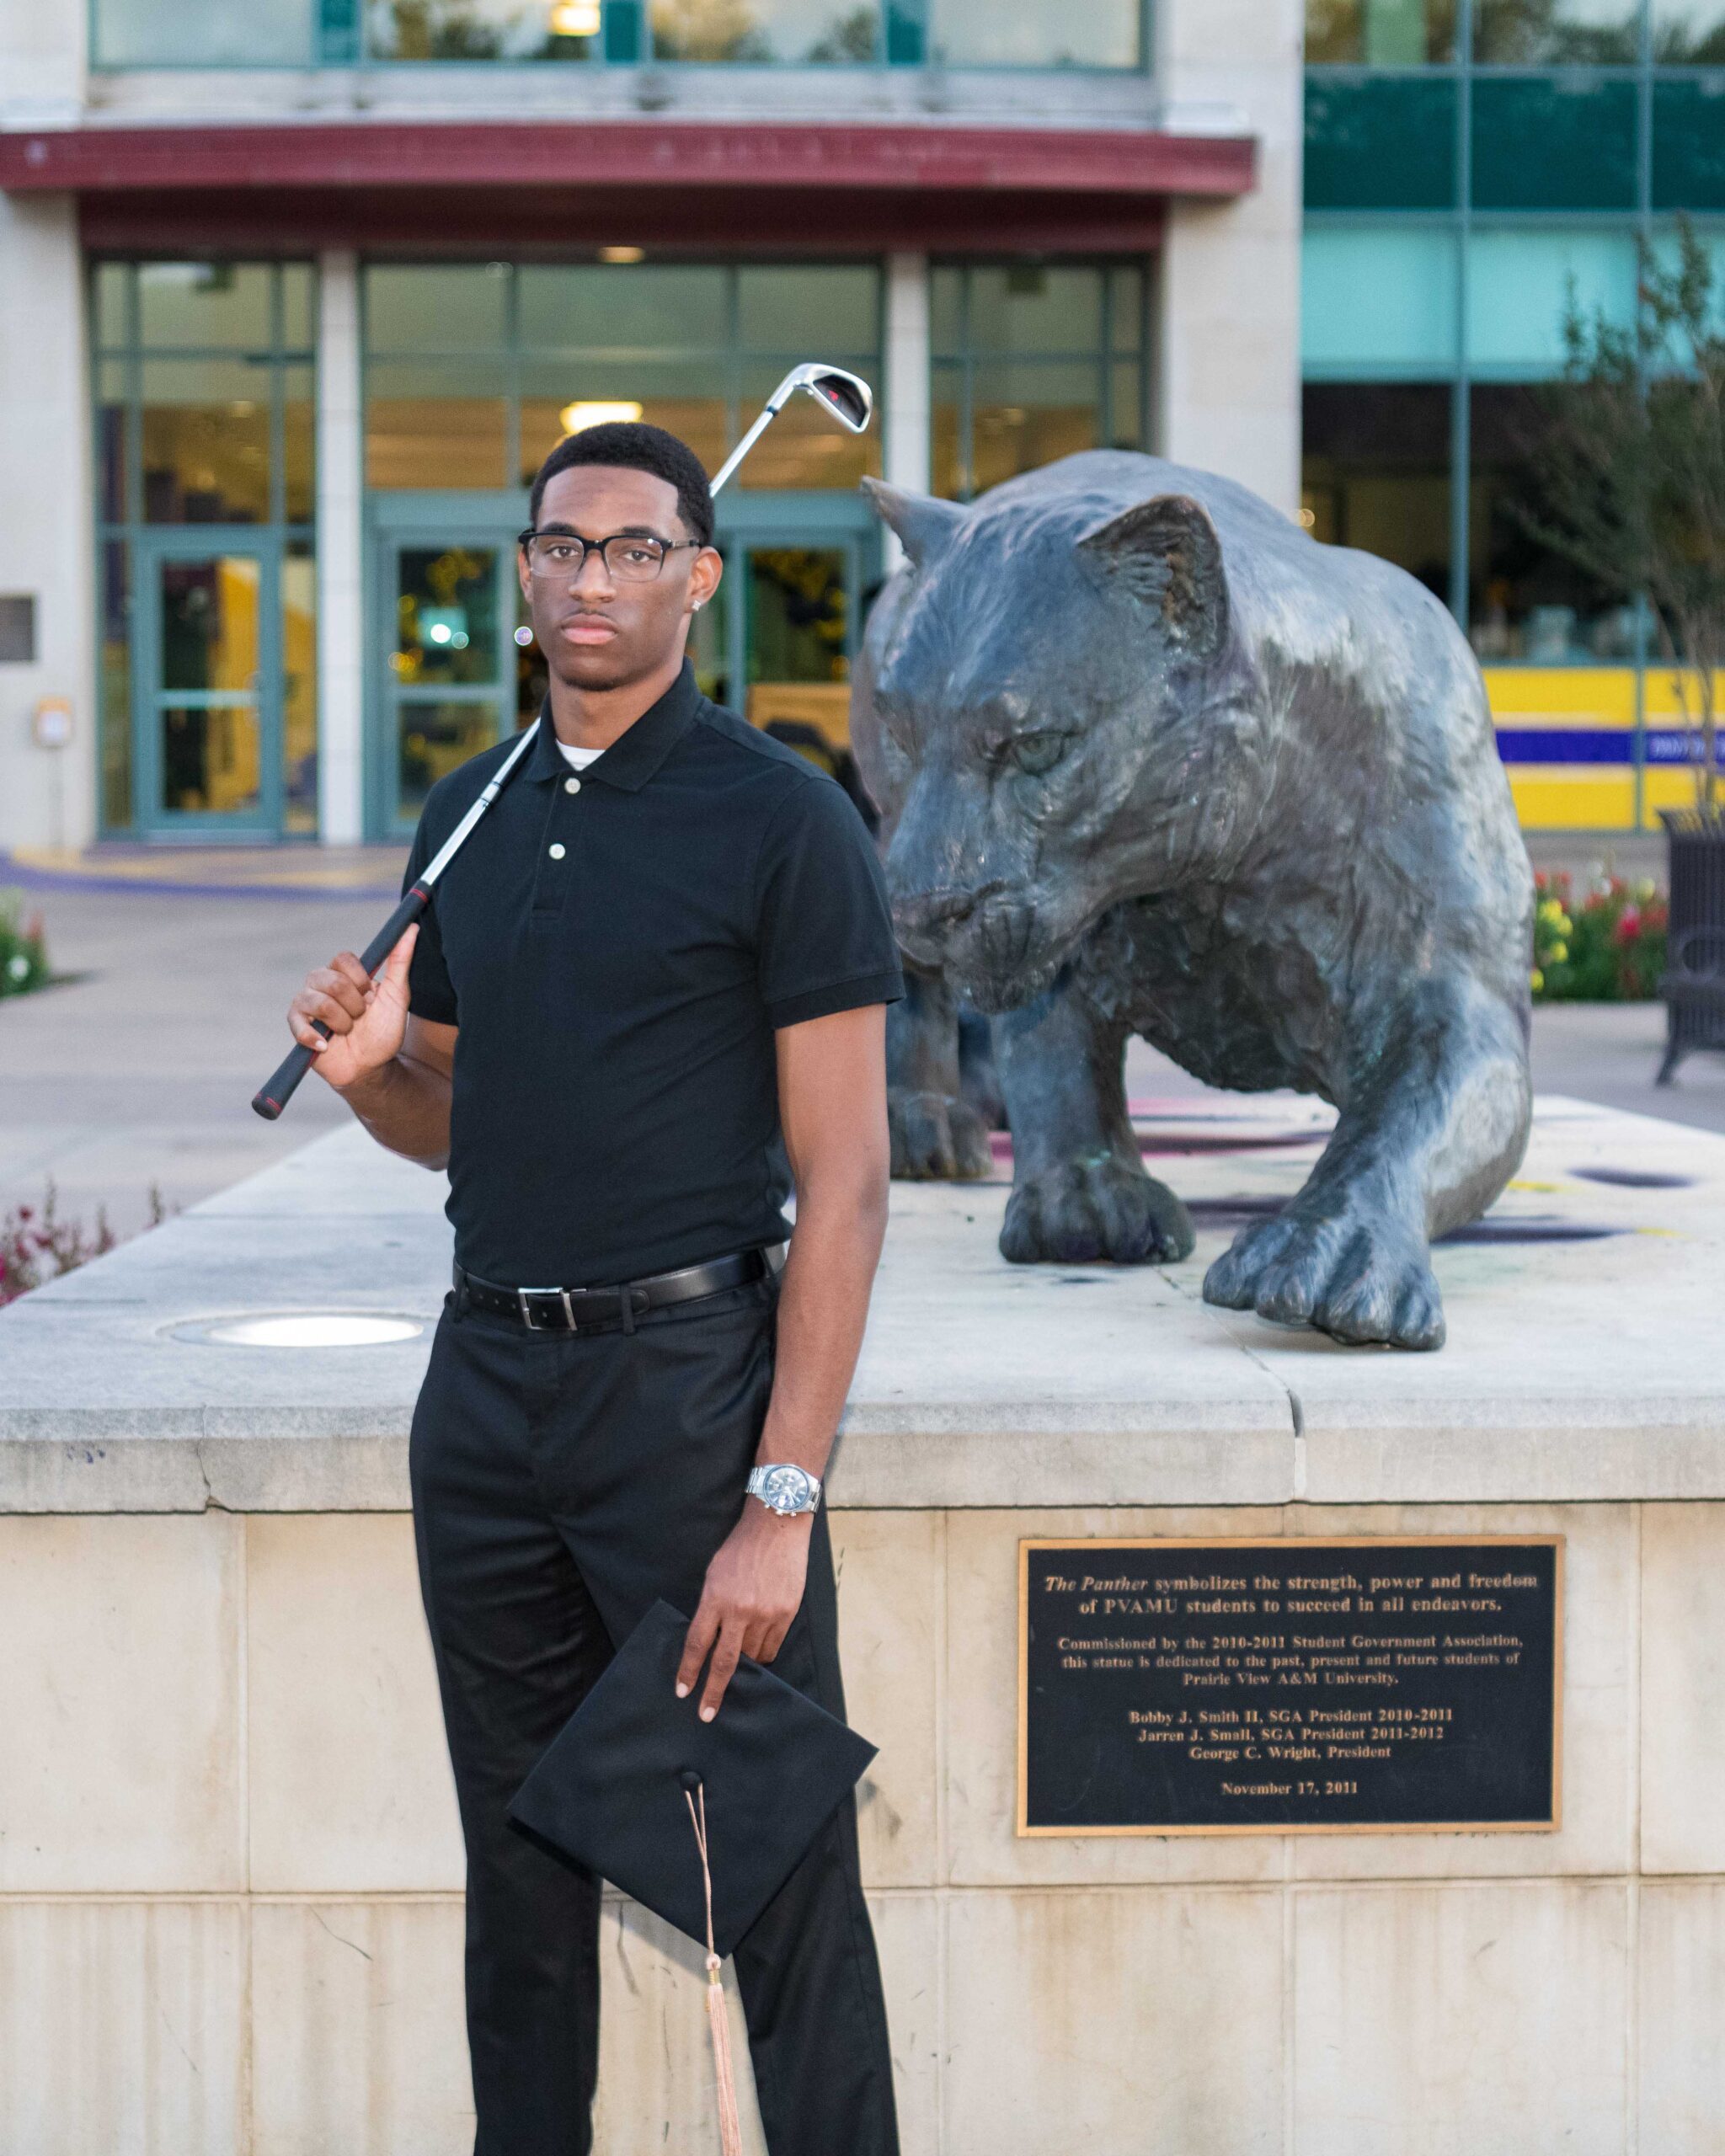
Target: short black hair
(636, 446)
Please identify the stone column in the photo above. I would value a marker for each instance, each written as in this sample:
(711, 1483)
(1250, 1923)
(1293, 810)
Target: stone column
(905, 443)
(1228, 395)
(47, 795)
(341, 762)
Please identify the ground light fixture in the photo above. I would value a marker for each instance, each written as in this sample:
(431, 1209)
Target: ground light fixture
(850, 401)
(303, 1329)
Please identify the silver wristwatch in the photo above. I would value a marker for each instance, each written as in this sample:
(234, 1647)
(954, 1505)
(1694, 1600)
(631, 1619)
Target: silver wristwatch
(784, 1489)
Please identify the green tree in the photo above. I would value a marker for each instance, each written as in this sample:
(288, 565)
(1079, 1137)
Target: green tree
(1628, 468)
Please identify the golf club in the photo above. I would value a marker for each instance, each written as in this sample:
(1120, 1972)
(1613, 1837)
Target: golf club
(851, 401)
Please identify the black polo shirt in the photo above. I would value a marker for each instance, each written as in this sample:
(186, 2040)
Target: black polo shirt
(617, 950)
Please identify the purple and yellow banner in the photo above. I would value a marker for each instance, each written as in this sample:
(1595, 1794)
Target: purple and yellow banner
(1572, 740)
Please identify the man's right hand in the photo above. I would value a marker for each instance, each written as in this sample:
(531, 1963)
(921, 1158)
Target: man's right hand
(367, 1019)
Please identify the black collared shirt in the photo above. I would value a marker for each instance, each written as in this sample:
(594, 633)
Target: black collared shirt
(617, 950)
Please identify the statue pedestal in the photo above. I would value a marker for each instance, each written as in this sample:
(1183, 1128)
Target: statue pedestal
(229, 1869)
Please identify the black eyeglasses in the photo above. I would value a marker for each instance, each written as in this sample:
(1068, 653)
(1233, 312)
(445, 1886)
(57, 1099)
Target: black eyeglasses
(629, 557)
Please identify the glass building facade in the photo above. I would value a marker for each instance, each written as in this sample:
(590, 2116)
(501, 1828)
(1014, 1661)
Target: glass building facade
(1473, 168)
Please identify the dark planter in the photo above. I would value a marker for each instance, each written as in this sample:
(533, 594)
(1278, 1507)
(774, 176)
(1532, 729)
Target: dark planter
(1694, 987)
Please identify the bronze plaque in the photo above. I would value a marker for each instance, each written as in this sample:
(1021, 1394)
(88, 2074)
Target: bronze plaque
(1383, 1685)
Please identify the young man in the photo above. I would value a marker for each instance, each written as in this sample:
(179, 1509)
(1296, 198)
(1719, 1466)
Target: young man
(649, 995)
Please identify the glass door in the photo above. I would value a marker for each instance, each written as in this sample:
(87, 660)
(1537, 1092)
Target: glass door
(206, 713)
(455, 679)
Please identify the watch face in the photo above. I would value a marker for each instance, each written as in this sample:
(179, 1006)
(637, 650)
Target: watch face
(785, 1488)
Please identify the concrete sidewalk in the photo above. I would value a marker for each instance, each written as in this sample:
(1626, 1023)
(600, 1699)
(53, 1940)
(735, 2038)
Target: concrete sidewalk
(140, 1070)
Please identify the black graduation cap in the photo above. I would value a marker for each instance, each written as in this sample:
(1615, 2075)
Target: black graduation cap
(623, 1789)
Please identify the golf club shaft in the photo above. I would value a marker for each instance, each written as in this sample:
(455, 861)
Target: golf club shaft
(279, 1088)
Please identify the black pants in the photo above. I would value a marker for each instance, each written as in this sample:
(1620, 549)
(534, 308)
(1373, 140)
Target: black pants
(561, 1485)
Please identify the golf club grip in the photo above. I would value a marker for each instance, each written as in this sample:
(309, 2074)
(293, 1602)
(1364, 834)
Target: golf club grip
(279, 1088)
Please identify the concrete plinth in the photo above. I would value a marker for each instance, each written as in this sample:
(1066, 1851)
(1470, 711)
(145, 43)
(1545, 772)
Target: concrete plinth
(230, 1872)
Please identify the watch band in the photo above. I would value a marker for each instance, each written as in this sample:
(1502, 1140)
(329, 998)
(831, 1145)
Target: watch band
(784, 1473)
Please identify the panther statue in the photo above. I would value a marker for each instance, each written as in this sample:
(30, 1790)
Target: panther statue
(1152, 761)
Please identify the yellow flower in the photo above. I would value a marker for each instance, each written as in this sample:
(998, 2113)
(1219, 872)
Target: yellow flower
(1563, 924)
(1550, 910)
(1558, 953)
(1536, 980)
(1646, 890)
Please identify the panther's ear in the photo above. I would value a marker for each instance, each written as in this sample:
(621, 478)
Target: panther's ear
(1166, 555)
(924, 523)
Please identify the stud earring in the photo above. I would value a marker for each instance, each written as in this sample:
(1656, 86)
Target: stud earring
(524, 636)
(695, 604)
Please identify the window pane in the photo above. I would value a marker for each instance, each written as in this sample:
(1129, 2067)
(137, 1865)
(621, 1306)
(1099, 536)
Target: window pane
(1519, 286)
(1126, 302)
(1375, 473)
(436, 310)
(206, 442)
(1028, 415)
(1689, 145)
(1376, 301)
(483, 29)
(445, 617)
(298, 446)
(299, 689)
(945, 305)
(686, 396)
(1524, 601)
(434, 738)
(798, 311)
(1126, 410)
(113, 282)
(114, 688)
(803, 447)
(110, 442)
(1585, 132)
(1690, 33)
(1036, 33)
(638, 306)
(1027, 309)
(756, 32)
(1383, 145)
(1538, 33)
(1379, 33)
(799, 616)
(432, 426)
(194, 303)
(202, 34)
(299, 330)
(948, 451)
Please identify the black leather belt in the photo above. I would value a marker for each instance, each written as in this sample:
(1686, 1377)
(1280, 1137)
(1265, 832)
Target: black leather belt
(604, 1310)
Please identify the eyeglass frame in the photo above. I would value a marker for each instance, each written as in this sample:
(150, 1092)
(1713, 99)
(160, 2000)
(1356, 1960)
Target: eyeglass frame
(524, 539)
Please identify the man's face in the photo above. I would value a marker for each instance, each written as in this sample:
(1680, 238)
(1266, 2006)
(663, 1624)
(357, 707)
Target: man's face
(598, 630)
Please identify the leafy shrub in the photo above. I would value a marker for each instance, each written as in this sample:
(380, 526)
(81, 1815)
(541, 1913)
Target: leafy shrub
(36, 1244)
(24, 954)
(1608, 948)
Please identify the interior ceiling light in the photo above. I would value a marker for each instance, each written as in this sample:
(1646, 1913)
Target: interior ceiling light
(312, 1329)
(574, 417)
(622, 254)
(575, 18)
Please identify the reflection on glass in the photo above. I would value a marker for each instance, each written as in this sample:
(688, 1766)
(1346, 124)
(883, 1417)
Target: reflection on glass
(112, 283)
(1379, 141)
(431, 739)
(111, 441)
(225, 304)
(298, 446)
(683, 395)
(796, 311)
(299, 331)
(114, 686)
(206, 442)
(1379, 33)
(1025, 415)
(644, 306)
(1690, 33)
(445, 614)
(803, 447)
(483, 29)
(1526, 602)
(1376, 472)
(1026, 308)
(1124, 428)
(799, 616)
(202, 34)
(1689, 142)
(1126, 292)
(1036, 33)
(444, 309)
(1556, 32)
(208, 714)
(299, 689)
(1586, 133)
(435, 426)
(948, 443)
(754, 32)
(946, 305)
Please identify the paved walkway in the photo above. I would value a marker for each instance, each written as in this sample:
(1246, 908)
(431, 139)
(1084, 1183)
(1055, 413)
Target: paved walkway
(139, 1070)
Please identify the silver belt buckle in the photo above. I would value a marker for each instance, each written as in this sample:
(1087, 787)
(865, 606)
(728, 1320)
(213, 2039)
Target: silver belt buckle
(523, 1296)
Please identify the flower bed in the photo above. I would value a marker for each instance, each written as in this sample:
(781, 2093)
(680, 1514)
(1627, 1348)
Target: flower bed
(1608, 947)
(24, 953)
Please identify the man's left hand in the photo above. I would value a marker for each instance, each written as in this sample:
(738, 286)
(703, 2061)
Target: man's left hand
(754, 1587)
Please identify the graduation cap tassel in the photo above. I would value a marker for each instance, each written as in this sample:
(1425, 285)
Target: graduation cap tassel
(731, 2130)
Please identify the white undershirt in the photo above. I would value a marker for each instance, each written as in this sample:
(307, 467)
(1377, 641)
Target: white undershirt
(578, 758)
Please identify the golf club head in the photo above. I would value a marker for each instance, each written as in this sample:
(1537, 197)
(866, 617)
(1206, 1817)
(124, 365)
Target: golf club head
(846, 396)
